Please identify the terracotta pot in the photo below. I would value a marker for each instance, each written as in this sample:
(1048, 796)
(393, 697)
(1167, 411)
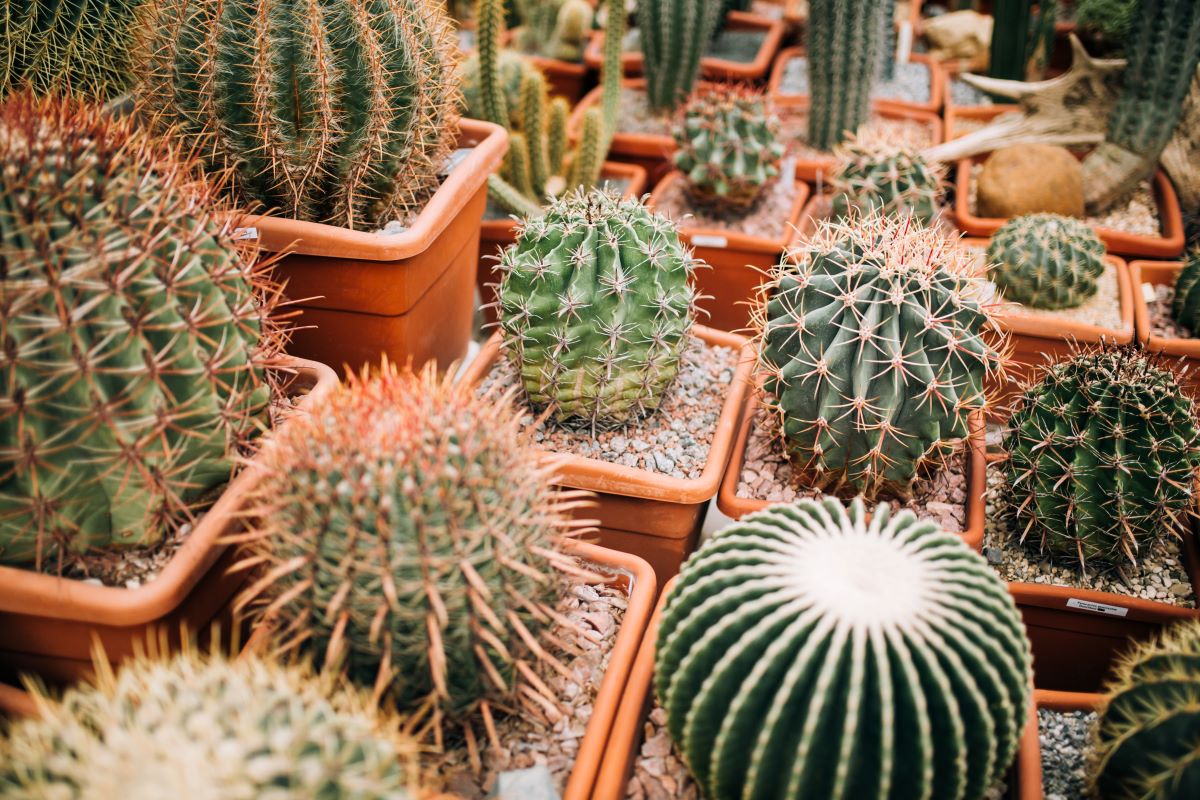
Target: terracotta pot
(1185, 352)
(48, 624)
(657, 517)
(1169, 244)
(785, 10)
(711, 68)
(497, 234)
(569, 79)
(1029, 755)
(735, 506)
(652, 152)
(937, 83)
(16, 703)
(739, 262)
(363, 295)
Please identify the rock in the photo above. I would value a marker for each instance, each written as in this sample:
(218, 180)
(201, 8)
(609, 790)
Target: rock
(1180, 589)
(994, 555)
(965, 35)
(1030, 179)
(534, 783)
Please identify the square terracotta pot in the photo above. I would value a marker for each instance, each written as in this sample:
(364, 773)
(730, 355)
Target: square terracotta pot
(1181, 352)
(937, 83)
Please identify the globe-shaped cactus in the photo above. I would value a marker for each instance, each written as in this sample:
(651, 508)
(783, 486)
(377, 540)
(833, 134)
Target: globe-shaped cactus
(806, 651)
(1046, 261)
(1185, 307)
(875, 175)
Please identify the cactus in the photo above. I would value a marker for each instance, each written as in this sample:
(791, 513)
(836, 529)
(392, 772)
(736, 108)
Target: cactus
(337, 111)
(727, 143)
(1185, 307)
(135, 334)
(1146, 738)
(872, 345)
(1103, 454)
(805, 651)
(1022, 39)
(674, 34)
(554, 28)
(845, 41)
(877, 176)
(1046, 260)
(595, 306)
(199, 726)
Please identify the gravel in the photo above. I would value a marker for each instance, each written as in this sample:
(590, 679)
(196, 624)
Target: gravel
(636, 116)
(673, 441)
(1064, 737)
(964, 94)
(767, 218)
(910, 83)
(1162, 321)
(904, 132)
(739, 46)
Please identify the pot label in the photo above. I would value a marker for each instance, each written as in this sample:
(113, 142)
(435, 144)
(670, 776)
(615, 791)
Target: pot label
(1100, 608)
(701, 240)
(1148, 293)
(242, 234)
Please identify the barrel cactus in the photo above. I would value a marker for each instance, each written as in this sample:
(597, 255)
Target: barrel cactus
(845, 41)
(877, 176)
(806, 651)
(1185, 307)
(872, 345)
(1046, 261)
(727, 144)
(135, 334)
(1147, 735)
(1103, 455)
(204, 727)
(338, 111)
(674, 35)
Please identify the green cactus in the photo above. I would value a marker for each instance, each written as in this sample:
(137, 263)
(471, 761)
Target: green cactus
(595, 305)
(203, 727)
(1046, 261)
(876, 176)
(1185, 308)
(554, 28)
(805, 651)
(845, 40)
(727, 144)
(872, 345)
(335, 111)
(1103, 456)
(674, 35)
(135, 334)
(1149, 728)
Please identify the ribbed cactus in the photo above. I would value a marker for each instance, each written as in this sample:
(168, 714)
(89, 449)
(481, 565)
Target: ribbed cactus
(134, 334)
(1185, 308)
(844, 42)
(595, 305)
(203, 727)
(408, 539)
(555, 28)
(1046, 260)
(876, 175)
(806, 652)
(335, 111)
(872, 344)
(727, 143)
(674, 35)
(1103, 457)
(1149, 728)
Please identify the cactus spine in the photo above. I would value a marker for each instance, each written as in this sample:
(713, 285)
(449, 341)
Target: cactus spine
(1046, 260)
(877, 176)
(674, 35)
(805, 651)
(555, 28)
(134, 334)
(1185, 308)
(845, 40)
(336, 111)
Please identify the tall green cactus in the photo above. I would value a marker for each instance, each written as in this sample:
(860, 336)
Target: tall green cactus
(806, 652)
(674, 35)
(1046, 260)
(844, 41)
(337, 111)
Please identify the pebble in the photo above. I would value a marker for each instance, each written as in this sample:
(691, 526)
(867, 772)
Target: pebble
(1064, 740)
(909, 83)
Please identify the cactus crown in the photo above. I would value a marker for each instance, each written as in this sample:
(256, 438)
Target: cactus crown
(845, 40)
(596, 305)
(1046, 260)
(875, 175)
(1185, 307)
(555, 28)
(1103, 453)
(674, 35)
(809, 648)
(135, 334)
(872, 345)
(727, 144)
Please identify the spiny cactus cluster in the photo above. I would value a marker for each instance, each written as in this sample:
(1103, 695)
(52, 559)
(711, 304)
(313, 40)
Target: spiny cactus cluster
(595, 306)
(844, 43)
(1146, 737)
(202, 727)
(1103, 457)
(341, 112)
(805, 651)
(135, 334)
(875, 175)
(674, 35)
(421, 565)
(1046, 261)
(554, 28)
(727, 144)
(872, 344)
(1185, 307)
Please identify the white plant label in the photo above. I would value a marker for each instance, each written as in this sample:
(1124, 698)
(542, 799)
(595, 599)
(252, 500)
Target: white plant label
(243, 234)
(1100, 608)
(701, 240)
(1148, 293)
(904, 38)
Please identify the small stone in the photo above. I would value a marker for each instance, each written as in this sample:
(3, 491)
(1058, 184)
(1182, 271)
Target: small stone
(663, 463)
(1030, 179)
(1180, 589)
(994, 555)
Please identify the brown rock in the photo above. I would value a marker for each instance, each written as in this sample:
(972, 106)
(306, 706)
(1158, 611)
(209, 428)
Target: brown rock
(1030, 179)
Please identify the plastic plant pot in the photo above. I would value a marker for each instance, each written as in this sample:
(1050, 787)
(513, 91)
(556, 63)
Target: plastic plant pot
(1182, 352)
(569, 79)
(1028, 767)
(937, 83)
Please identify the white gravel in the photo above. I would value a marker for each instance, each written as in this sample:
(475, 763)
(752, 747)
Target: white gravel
(910, 83)
(1064, 738)
(964, 94)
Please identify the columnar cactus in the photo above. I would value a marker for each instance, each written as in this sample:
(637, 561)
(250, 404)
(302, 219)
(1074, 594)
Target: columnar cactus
(203, 727)
(1046, 260)
(135, 334)
(877, 176)
(1103, 456)
(1146, 738)
(337, 111)
(674, 35)
(844, 42)
(555, 28)
(595, 306)
(727, 143)
(872, 344)
(1185, 308)
(409, 541)
(805, 651)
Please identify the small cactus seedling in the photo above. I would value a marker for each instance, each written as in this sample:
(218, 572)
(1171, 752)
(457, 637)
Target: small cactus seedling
(1185, 308)
(595, 306)
(1103, 456)
(1046, 261)
(877, 176)
(806, 652)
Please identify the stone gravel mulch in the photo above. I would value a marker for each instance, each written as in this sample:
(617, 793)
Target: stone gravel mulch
(910, 83)
(767, 218)
(1064, 738)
